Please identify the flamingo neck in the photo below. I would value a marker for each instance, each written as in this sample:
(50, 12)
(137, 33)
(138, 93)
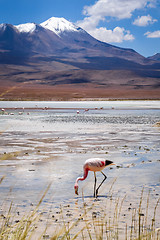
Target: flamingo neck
(84, 176)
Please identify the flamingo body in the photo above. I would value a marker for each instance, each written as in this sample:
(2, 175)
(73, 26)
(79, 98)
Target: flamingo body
(94, 165)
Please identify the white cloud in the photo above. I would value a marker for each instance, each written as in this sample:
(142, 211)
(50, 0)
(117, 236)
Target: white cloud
(116, 8)
(117, 35)
(144, 21)
(155, 34)
(119, 9)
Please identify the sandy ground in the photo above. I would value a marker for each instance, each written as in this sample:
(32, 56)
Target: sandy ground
(39, 149)
(30, 91)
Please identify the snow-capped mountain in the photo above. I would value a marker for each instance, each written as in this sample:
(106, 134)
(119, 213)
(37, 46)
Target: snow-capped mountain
(59, 25)
(60, 38)
(54, 24)
(27, 27)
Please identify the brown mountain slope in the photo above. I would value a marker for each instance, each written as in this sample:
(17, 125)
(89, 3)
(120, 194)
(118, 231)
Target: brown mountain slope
(43, 82)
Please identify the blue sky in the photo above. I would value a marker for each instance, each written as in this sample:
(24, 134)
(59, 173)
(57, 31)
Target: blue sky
(125, 23)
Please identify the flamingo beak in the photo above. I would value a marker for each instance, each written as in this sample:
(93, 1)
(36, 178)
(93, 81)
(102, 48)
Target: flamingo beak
(76, 191)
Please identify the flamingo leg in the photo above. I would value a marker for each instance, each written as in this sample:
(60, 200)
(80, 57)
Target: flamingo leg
(101, 183)
(95, 184)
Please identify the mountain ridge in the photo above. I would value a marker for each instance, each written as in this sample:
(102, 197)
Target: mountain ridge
(73, 37)
(155, 57)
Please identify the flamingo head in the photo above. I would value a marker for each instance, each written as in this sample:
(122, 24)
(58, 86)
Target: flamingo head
(76, 189)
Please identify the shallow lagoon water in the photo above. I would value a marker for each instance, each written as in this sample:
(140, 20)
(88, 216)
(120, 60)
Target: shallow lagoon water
(51, 145)
(136, 104)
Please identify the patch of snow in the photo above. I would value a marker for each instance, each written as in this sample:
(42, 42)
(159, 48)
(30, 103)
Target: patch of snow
(26, 27)
(3, 26)
(58, 25)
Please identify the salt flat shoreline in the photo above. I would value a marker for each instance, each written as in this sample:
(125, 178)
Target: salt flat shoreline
(82, 100)
(84, 105)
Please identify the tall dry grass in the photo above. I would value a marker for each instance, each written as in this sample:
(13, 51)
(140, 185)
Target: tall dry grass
(93, 219)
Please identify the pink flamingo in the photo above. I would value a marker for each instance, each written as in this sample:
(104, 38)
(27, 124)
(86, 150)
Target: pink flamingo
(94, 165)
